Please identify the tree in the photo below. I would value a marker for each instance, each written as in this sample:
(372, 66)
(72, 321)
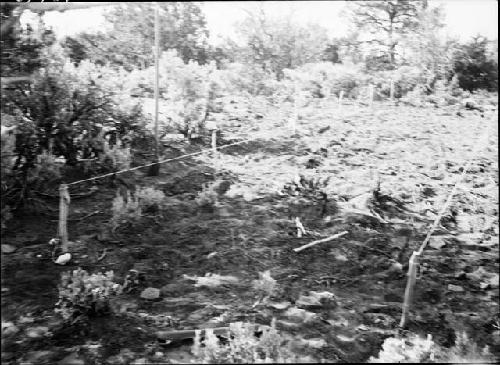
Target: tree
(474, 69)
(129, 42)
(278, 43)
(427, 49)
(386, 22)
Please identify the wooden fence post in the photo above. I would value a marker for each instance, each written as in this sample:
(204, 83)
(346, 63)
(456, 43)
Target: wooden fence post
(371, 91)
(391, 95)
(64, 200)
(410, 284)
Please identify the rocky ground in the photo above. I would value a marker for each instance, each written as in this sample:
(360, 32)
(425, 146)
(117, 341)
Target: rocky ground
(381, 174)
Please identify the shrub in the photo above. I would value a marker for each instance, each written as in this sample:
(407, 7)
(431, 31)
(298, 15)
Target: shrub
(474, 69)
(243, 346)
(208, 197)
(150, 198)
(117, 157)
(266, 284)
(81, 294)
(417, 349)
(125, 210)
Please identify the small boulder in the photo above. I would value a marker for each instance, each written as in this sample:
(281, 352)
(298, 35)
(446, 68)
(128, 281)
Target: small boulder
(8, 248)
(37, 332)
(150, 294)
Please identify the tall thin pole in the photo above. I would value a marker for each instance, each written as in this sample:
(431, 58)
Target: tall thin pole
(155, 169)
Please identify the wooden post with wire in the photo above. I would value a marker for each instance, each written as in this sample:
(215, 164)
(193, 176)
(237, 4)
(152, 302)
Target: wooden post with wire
(62, 230)
(371, 90)
(155, 169)
(341, 96)
(212, 126)
(412, 277)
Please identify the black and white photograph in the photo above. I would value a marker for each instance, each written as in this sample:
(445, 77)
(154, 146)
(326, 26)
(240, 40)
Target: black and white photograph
(240, 182)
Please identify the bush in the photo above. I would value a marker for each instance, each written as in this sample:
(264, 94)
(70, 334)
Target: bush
(324, 79)
(84, 295)
(243, 346)
(150, 198)
(116, 157)
(125, 210)
(208, 197)
(474, 69)
(417, 349)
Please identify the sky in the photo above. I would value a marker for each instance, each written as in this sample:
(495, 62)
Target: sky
(464, 18)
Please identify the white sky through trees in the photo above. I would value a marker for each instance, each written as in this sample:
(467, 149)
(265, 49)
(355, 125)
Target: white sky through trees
(464, 18)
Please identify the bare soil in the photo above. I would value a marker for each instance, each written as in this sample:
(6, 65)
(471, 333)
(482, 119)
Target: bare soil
(418, 153)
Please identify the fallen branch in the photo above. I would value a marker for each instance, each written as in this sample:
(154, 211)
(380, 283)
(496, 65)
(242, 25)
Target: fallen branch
(102, 255)
(313, 243)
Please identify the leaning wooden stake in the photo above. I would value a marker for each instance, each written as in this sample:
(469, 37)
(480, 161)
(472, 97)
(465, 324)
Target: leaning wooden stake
(63, 216)
(313, 243)
(371, 91)
(410, 284)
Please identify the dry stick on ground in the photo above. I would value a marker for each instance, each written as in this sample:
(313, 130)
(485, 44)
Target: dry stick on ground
(313, 243)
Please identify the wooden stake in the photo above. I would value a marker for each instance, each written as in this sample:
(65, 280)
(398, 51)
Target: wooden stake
(64, 200)
(214, 141)
(371, 91)
(412, 277)
(341, 96)
(313, 243)
(155, 169)
(392, 90)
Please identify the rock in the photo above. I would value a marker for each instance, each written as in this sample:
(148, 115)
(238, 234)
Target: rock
(150, 293)
(141, 361)
(437, 243)
(280, 305)
(8, 248)
(9, 329)
(315, 343)
(455, 288)
(124, 357)
(63, 259)
(72, 359)
(341, 257)
(301, 315)
(173, 289)
(308, 302)
(37, 332)
(37, 357)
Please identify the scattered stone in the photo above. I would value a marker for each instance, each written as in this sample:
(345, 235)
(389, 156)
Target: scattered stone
(150, 293)
(315, 343)
(380, 319)
(437, 243)
(343, 338)
(37, 357)
(6, 356)
(9, 329)
(37, 332)
(25, 320)
(280, 305)
(308, 302)
(8, 248)
(173, 289)
(72, 359)
(141, 361)
(124, 357)
(396, 267)
(455, 288)
(301, 315)
(341, 258)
